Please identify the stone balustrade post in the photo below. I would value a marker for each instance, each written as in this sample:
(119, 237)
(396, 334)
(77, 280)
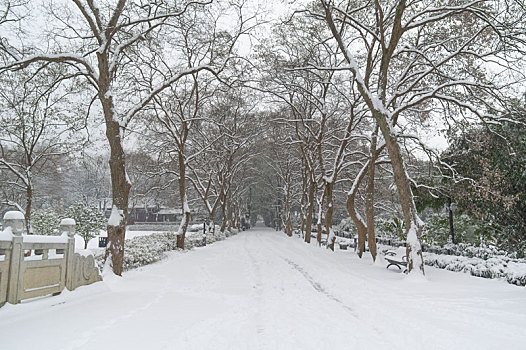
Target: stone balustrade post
(15, 220)
(67, 227)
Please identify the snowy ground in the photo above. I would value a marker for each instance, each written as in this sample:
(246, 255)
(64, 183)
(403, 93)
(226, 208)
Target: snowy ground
(263, 290)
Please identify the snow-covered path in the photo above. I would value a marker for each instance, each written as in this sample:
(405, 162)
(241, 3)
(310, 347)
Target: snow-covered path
(263, 290)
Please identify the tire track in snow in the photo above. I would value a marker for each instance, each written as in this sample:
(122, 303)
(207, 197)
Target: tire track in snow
(316, 285)
(319, 288)
(280, 252)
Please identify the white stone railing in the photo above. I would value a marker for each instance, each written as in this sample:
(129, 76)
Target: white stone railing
(33, 265)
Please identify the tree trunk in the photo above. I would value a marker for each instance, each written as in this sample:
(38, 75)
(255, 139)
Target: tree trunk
(369, 197)
(120, 185)
(319, 230)
(328, 215)
(353, 213)
(185, 210)
(238, 218)
(120, 193)
(303, 204)
(288, 226)
(360, 227)
(223, 212)
(310, 208)
(413, 223)
(451, 227)
(29, 202)
(319, 227)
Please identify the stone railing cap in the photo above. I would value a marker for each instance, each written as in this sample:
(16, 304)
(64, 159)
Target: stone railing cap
(14, 215)
(67, 221)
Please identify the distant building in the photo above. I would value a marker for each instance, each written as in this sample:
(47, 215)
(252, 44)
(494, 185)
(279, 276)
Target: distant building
(156, 213)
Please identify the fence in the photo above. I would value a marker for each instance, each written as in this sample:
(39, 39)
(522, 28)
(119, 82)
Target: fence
(33, 265)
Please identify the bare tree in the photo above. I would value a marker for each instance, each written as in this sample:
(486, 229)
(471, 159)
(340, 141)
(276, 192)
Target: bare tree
(37, 125)
(225, 142)
(198, 39)
(410, 59)
(105, 44)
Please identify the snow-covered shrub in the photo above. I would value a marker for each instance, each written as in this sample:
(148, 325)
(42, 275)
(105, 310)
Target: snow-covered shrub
(486, 262)
(463, 249)
(216, 236)
(158, 226)
(513, 270)
(228, 233)
(45, 222)
(144, 250)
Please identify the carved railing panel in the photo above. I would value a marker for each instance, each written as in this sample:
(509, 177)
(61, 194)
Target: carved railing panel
(33, 266)
(5, 253)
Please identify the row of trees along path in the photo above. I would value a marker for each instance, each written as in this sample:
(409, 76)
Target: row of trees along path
(323, 112)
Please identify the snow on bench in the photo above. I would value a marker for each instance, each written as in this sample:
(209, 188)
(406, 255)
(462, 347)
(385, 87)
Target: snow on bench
(394, 259)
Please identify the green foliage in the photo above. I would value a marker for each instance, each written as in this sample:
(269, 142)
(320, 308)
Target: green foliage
(491, 197)
(395, 227)
(424, 198)
(467, 230)
(89, 220)
(495, 161)
(45, 222)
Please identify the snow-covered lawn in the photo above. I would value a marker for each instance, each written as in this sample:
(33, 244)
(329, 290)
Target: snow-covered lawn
(263, 290)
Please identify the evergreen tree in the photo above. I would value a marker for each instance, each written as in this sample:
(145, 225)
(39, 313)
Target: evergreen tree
(494, 161)
(45, 222)
(89, 220)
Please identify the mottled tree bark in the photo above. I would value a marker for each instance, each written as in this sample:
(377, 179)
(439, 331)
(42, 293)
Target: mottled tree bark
(120, 193)
(29, 202)
(353, 213)
(369, 196)
(304, 196)
(414, 226)
(223, 213)
(319, 226)
(310, 207)
(185, 210)
(451, 227)
(360, 227)
(328, 215)
(288, 226)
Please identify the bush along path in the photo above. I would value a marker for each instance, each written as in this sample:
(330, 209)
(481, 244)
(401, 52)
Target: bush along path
(486, 262)
(144, 250)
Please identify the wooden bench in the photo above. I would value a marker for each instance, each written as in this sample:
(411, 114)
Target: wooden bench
(393, 260)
